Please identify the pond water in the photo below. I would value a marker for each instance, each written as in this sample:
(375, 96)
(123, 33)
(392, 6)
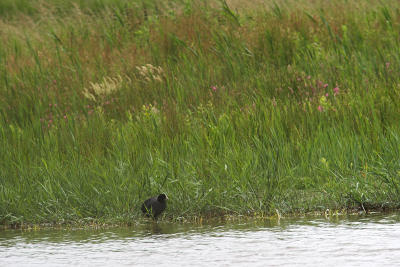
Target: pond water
(369, 240)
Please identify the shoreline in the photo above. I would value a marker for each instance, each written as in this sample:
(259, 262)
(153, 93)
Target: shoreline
(199, 220)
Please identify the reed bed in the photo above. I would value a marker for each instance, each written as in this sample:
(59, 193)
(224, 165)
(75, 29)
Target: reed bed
(228, 108)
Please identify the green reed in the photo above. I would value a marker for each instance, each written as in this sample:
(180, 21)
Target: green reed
(227, 108)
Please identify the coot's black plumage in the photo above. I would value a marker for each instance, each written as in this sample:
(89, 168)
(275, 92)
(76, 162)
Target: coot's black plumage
(154, 206)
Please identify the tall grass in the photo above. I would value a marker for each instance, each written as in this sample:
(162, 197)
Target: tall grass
(226, 107)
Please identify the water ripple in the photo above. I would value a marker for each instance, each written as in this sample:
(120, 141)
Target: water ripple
(351, 241)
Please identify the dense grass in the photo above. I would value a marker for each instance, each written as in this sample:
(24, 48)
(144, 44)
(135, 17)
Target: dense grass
(226, 107)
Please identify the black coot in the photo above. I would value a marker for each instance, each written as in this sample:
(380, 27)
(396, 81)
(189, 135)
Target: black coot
(154, 206)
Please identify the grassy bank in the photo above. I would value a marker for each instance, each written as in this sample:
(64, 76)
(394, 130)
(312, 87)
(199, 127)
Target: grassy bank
(225, 107)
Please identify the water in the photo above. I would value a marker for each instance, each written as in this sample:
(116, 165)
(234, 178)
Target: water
(372, 240)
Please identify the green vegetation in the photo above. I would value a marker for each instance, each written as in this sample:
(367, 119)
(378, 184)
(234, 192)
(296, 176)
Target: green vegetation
(227, 107)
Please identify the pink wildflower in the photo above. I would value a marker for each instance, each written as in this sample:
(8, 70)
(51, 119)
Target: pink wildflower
(65, 116)
(214, 88)
(320, 108)
(325, 85)
(336, 91)
(326, 94)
